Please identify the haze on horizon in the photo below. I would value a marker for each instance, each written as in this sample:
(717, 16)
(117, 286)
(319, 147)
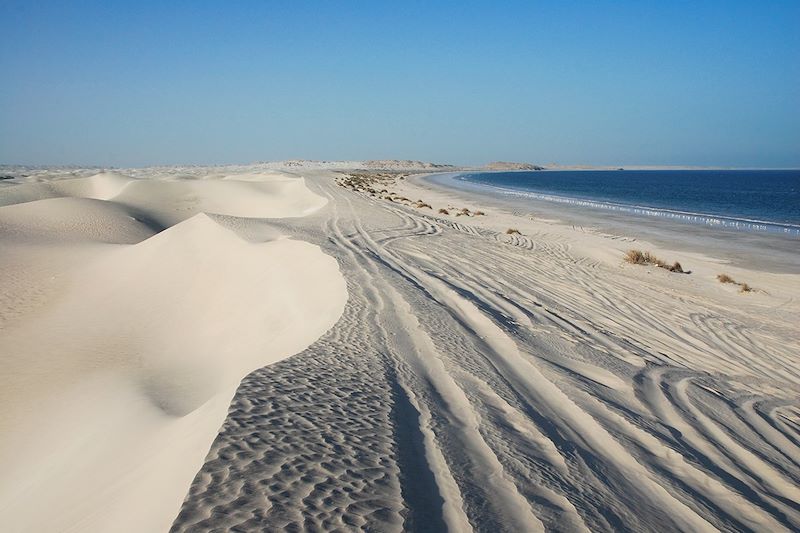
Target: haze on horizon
(144, 83)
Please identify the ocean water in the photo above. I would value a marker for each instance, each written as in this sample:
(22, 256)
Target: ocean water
(748, 200)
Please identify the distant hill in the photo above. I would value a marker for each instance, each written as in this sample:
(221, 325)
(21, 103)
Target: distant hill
(506, 165)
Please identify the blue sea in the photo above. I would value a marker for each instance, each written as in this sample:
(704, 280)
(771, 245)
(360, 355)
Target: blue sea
(749, 200)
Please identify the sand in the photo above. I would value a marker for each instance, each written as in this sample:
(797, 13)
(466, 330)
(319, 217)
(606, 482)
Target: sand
(465, 379)
(131, 311)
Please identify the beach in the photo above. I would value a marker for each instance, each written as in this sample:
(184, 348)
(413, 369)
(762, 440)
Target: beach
(354, 345)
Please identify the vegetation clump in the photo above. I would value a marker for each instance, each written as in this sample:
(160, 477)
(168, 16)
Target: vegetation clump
(743, 287)
(638, 257)
(364, 181)
(444, 211)
(513, 231)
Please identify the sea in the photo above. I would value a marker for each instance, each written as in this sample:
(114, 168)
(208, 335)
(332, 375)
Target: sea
(746, 200)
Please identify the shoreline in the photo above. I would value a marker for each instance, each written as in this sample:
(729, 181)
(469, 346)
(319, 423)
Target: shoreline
(729, 221)
(754, 250)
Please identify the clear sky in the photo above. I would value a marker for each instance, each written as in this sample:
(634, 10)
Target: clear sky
(132, 83)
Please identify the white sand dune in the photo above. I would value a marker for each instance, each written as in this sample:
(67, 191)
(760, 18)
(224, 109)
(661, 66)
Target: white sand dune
(473, 380)
(172, 200)
(114, 386)
(65, 219)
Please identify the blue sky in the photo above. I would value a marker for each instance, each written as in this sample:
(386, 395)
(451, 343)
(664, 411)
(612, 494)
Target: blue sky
(138, 83)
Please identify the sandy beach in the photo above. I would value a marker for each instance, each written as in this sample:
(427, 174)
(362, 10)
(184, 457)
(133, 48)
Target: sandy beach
(312, 346)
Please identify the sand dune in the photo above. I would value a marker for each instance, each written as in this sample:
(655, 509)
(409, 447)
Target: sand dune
(58, 220)
(115, 385)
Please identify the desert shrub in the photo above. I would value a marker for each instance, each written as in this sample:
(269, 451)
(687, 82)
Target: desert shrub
(513, 231)
(635, 257)
(638, 257)
(743, 287)
(444, 211)
(478, 213)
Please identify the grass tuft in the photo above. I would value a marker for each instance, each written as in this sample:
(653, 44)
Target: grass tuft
(638, 257)
(513, 231)
(743, 287)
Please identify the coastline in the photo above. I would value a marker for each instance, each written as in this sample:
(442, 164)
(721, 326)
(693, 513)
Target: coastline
(753, 250)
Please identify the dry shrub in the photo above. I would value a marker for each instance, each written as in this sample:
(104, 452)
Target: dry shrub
(513, 231)
(422, 204)
(724, 278)
(743, 287)
(638, 257)
(444, 211)
(635, 257)
(478, 213)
